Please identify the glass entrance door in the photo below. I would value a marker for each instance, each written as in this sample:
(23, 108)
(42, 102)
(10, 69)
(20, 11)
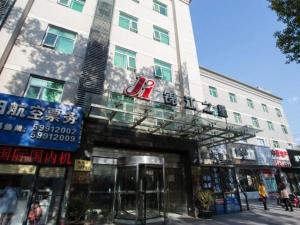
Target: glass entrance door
(139, 192)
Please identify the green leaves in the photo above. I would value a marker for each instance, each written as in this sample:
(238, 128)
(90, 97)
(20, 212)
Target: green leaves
(288, 40)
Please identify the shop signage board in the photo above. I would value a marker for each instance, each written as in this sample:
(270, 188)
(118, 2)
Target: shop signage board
(82, 165)
(280, 157)
(243, 152)
(39, 124)
(294, 158)
(264, 156)
(9, 154)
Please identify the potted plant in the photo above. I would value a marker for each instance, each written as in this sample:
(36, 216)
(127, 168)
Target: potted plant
(204, 201)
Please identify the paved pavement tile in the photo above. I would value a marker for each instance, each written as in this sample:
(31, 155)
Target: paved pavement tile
(276, 215)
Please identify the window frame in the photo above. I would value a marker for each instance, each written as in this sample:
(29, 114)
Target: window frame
(43, 88)
(70, 2)
(159, 64)
(131, 19)
(232, 97)
(261, 140)
(128, 57)
(284, 129)
(275, 144)
(125, 105)
(160, 31)
(157, 5)
(255, 122)
(270, 125)
(237, 118)
(250, 103)
(264, 107)
(278, 112)
(213, 91)
(57, 38)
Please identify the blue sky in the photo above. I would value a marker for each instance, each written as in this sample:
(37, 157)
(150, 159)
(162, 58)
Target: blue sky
(235, 38)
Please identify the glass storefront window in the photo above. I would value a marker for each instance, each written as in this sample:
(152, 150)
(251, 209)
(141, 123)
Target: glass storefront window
(249, 179)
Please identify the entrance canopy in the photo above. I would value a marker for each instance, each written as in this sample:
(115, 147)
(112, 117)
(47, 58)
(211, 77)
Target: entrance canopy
(158, 118)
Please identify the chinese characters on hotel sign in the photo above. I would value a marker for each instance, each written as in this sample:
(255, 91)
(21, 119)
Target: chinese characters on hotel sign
(143, 88)
(34, 123)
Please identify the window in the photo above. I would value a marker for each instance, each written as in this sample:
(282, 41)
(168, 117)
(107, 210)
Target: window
(232, 98)
(125, 103)
(160, 8)
(43, 89)
(215, 113)
(290, 146)
(161, 35)
(213, 91)
(284, 129)
(255, 122)
(276, 144)
(164, 111)
(278, 112)
(125, 59)
(73, 4)
(128, 22)
(260, 142)
(265, 108)
(250, 103)
(270, 125)
(237, 118)
(162, 70)
(60, 39)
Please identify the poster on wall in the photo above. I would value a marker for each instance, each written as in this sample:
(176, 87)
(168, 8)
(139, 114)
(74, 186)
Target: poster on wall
(280, 157)
(34, 123)
(264, 156)
(242, 151)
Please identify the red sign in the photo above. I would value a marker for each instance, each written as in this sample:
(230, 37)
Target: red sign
(141, 89)
(35, 156)
(280, 158)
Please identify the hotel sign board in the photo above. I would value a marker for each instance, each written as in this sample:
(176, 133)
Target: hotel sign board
(39, 124)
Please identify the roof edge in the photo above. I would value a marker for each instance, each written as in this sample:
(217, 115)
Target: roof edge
(239, 82)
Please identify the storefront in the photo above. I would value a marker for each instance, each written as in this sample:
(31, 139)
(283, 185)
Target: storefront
(217, 174)
(37, 143)
(142, 154)
(268, 170)
(293, 173)
(247, 170)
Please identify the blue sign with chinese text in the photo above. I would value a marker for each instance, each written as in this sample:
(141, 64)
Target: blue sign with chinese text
(35, 123)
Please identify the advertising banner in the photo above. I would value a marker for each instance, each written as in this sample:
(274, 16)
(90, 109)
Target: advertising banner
(294, 158)
(242, 151)
(280, 157)
(35, 123)
(264, 156)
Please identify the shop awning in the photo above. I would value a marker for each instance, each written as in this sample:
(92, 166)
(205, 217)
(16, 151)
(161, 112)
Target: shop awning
(178, 123)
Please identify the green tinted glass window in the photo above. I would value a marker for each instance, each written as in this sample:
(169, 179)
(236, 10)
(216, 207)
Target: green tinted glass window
(160, 7)
(124, 103)
(125, 59)
(161, 35)
(46, 90)
(128, 22)
(76, 5)
(213, 91)
(162, 70)
(60, 39)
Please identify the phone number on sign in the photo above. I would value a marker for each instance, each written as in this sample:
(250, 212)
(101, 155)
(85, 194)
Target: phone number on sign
(53, 133)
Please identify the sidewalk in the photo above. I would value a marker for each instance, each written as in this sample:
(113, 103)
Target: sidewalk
(256, 216)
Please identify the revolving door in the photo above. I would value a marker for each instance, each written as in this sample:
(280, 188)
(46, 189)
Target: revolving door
(140, 190)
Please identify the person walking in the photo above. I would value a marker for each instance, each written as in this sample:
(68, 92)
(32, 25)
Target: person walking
(263, 194)
(286, 199)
